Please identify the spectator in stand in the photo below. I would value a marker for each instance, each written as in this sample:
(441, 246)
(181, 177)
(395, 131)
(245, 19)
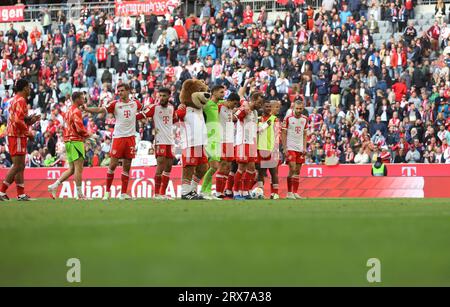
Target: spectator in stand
(413, 155)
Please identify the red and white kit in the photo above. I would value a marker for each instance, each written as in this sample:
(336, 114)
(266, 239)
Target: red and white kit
(163, 118)
(246, 135)
(295, 128)
(228, 132)
(194, 135)
(124, 142)
(17, 129)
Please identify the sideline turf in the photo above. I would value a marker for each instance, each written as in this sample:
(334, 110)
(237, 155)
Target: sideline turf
(252, 243)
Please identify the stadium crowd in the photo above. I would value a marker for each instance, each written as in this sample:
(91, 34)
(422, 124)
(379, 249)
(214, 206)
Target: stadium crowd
(363, 101)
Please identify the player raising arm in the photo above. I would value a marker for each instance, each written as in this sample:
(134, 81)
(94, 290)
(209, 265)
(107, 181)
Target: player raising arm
(124, 142)
(164, 116)
(293, 138)
(17, 134)
(74, 136)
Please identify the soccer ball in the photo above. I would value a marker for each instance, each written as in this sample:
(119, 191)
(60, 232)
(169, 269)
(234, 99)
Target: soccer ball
(257, 193)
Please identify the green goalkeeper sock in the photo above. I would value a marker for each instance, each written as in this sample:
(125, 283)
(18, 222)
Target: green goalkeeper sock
(207, 181)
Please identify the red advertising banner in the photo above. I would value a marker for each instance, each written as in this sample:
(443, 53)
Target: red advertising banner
(308, 171)
(147, 7)
(404, 180)
(12, 13)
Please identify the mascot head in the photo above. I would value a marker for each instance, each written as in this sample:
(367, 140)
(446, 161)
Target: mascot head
(194, 93)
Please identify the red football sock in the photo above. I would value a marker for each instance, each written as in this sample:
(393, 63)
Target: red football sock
(289, 184)
(274, 188)
(249, 180)
(158, 180)
(109, 180)
(20, 189)
(5, 186)
(237, 181)
(125, 177)
(296, 183)
(230, 181)
(164, 183)
(221, 181)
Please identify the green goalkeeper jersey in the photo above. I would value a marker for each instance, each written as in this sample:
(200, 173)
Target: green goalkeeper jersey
(211, 111)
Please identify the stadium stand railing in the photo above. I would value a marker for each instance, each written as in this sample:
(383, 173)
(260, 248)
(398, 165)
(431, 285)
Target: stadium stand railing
(32, 12)
(70, 10)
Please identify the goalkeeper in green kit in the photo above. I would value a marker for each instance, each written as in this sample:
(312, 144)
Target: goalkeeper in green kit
(213, 148)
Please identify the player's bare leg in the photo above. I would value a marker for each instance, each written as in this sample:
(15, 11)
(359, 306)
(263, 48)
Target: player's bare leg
(160, 167)
(274, 180)
(125, 177)
(78, 176)
(110, 176)
(66, 175)
(166, 177)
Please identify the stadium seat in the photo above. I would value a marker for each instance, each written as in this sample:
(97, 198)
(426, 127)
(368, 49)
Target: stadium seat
(123, 40)
(132, 40)
(100, 73)
(225, 44)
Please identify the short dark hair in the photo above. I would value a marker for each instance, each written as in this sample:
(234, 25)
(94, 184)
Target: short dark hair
(125, 86)
(234, 97)
(20, 85)
(165, 90)
(76, 95)
(217, 88)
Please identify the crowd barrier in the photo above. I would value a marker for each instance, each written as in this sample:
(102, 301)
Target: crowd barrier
(403, 180)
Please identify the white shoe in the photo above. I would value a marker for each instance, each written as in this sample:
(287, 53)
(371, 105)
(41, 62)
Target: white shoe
(53, 189)
(125, 197)
(297, 196)
(290, 195)
(274, 196)
(106, 197)
(210, 197)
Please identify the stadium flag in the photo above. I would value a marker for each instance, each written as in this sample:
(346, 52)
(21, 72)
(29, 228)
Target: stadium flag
(12, 13)
(147, 7)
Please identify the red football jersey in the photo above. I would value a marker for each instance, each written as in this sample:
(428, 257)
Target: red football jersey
(74, 129)
(16, 120)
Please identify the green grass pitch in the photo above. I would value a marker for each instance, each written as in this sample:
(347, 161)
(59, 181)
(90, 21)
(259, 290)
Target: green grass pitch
(200, 243)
